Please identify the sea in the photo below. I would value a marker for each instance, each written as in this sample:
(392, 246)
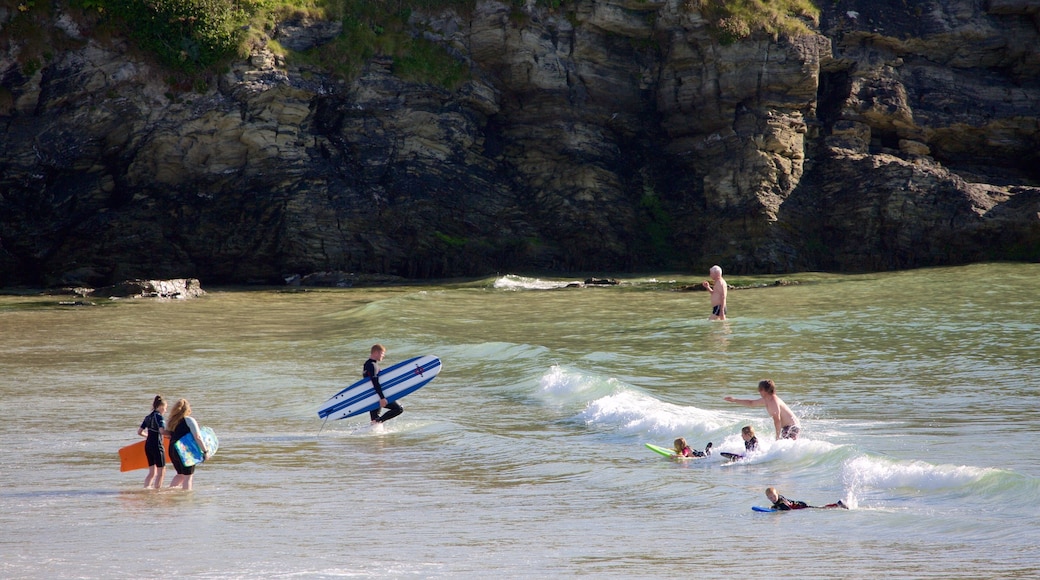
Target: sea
(917, 393)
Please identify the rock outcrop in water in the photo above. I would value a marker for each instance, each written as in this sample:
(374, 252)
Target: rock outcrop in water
(610, 135)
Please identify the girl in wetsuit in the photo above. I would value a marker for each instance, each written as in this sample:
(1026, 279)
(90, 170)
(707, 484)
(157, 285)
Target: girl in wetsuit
(153, 428)
(181, 425)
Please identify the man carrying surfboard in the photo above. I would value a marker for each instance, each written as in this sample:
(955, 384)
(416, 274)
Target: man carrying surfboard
(371, 371)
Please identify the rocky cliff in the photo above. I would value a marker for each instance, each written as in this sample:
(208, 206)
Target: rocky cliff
(603, 135)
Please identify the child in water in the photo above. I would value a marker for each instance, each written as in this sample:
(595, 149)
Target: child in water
(750, 441)
(153, 427)
(683, 450)
(781, 503)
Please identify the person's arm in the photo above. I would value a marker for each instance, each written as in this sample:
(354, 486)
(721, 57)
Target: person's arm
(194, 427)
(723, 293)
(370, 372)
(776, 423)
(746, 402)
(143, 429)
(378, 387)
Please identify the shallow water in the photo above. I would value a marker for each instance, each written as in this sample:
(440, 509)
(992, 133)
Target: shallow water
(526, 457)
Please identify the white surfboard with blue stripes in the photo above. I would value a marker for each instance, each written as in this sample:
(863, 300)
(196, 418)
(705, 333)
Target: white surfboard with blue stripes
(396, 381)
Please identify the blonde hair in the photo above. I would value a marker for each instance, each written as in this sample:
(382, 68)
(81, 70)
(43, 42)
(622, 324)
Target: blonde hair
(680, 444)
(748, 431)
(378, 347)
(181, 409)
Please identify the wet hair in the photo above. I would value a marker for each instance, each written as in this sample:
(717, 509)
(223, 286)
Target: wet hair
(680, 444)
(378, 347)
(768, 386)
(158, 402)
(748, 430)
(181, 409)
(771, 492)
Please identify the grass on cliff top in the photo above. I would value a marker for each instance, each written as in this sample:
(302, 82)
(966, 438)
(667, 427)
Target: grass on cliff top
(195, 37)
(733, 20)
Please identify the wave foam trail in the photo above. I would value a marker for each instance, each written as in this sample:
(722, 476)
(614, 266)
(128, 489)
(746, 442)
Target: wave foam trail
(575, 385)
(612, 403)
(636, 412)
(514, 282)
(870, 472)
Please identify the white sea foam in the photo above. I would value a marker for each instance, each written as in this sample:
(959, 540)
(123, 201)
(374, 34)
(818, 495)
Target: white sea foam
(866, 472)
(514, 282)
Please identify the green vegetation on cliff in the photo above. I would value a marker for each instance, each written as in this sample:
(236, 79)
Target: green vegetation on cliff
(384, 29)
(196, 36)
(188, 35)
(737, 19)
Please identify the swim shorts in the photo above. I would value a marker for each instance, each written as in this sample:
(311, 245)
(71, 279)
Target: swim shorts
(717, 311)
(790, 432)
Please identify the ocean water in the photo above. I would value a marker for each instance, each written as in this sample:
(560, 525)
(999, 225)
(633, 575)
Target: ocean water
(525, 458)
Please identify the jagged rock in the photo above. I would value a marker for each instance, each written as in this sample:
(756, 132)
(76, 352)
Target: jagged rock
(181, 289)
(303, 33)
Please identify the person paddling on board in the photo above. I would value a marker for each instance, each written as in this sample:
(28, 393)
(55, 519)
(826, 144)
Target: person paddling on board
(781, 503)
(750, 443)
(684, 450)
(372, 372)
(784, 419)
(750, 440)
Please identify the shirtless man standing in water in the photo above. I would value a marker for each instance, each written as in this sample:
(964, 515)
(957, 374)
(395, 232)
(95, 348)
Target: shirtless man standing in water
(718, 293)
(783, 419)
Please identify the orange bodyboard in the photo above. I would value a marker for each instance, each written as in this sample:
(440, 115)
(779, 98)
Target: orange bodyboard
(133, 456)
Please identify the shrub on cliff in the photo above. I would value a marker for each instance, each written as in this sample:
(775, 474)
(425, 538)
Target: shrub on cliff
(737, 19)
(188, 35)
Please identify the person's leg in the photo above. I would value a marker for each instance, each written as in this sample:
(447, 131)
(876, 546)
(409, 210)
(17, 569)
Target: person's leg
(160, 475)
(148, 479)
(392, 410)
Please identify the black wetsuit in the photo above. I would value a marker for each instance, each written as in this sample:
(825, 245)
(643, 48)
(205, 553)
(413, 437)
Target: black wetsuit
(153, 445)
(751, 444)
(784, 504)
(393, 408)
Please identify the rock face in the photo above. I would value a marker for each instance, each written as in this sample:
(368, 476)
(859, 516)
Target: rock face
(612, 135)
(180, 289)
